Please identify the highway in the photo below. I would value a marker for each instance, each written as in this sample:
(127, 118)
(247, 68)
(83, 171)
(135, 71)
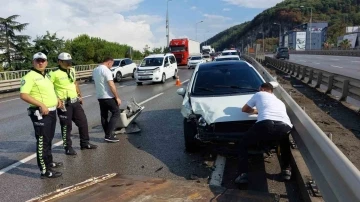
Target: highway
(347, 66)
(157, 151)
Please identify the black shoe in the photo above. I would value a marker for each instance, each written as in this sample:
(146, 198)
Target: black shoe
(111, 139)
(70, 151)
(50, 174)
(55, 164)
(286, 174)
(242, 179)
(88, 146)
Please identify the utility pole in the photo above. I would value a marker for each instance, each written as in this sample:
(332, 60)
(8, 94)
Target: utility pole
(167, 23)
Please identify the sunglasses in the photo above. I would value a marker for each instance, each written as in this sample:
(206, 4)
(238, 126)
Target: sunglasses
(39, 60)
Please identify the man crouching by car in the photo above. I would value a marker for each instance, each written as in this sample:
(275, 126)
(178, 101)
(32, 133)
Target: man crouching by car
(272, 123)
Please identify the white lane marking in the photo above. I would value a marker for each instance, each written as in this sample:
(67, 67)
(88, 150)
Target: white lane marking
(83, 84)
(14, 165)
(337, 66)
(32, 156)
(153, 97)
(9, 100)
(4, 170)
(185, 81)
(218, 173)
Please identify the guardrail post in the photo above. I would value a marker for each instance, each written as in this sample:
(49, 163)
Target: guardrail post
(330, 84)
(345, 90)
(319, 80)
(311, 76)
(303, 73)
(297, 70)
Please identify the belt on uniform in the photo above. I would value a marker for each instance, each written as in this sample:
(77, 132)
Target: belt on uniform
(71, 100)
(52, 108)
(49, 108)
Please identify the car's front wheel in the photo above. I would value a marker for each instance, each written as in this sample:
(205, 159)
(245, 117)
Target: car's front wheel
(163, 78)
(191, 144)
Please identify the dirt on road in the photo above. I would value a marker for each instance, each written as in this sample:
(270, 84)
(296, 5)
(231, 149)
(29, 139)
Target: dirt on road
(331, 115)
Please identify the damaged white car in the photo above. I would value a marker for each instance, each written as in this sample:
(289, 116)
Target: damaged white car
(213, 100)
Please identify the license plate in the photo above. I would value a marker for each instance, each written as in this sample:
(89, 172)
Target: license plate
(144, 77)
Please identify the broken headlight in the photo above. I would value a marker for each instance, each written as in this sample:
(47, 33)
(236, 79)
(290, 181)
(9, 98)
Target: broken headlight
(202, 122)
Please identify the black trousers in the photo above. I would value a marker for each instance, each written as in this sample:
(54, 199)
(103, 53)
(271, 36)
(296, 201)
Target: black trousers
(266, 130)
(106, 106)
(44, 133)
(74, 113)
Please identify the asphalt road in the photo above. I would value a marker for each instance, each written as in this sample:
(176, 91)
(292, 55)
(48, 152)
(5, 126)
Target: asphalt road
(347, 66)
(157, 151)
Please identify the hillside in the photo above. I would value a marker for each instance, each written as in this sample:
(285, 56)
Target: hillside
(338, 13)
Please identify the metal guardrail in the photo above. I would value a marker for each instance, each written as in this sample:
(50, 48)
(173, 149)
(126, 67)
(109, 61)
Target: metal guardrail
(10, 80)
(348, 87)
(354, 53)
(338, 179)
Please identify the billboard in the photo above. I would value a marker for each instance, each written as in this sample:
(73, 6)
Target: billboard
(300, 40)
(352, 29)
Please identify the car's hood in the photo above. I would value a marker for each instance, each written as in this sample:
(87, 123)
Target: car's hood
(222, 109)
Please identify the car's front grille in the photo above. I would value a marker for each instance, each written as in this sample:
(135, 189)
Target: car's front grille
(232, 127)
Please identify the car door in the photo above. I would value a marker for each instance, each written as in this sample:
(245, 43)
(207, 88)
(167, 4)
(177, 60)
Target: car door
(128, 67)
(173, 65)
(167, 67)
(122, 67)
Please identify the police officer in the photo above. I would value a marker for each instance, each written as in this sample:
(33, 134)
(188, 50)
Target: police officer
(68, 91)
(38, 90)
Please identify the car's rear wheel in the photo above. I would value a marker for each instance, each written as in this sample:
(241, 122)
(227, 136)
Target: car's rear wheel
(175, 74)
(133, 74)
(118, 77)
(191, 144)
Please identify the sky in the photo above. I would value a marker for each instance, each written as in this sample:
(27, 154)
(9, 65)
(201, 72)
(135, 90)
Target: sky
(134, 22)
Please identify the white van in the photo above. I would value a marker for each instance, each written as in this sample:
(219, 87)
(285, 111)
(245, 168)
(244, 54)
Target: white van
(156, 68)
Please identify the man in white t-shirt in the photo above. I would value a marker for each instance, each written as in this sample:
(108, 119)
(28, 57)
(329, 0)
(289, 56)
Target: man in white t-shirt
(272, 123)
(108, 98)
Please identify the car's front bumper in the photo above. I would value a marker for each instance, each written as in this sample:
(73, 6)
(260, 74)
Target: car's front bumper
(156, 76)
(223, 132)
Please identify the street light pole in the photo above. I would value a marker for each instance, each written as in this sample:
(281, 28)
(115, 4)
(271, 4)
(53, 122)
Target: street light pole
(279, 32)
(167, 23)
(196, 29)
(310, 25)
(310, 22)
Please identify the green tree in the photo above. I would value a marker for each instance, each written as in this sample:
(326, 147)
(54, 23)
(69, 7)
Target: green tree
(157, 50)
(50, 45)
(10, 41)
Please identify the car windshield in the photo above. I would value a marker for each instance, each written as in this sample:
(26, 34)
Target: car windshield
(148, 62)
(116, 63)
(229, 58)
(283, 50)
(229, 53)
(195, 58)
(225, 79)
(177, 48)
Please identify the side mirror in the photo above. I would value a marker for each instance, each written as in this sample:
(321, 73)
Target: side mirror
(274, 84)
(181, 91)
